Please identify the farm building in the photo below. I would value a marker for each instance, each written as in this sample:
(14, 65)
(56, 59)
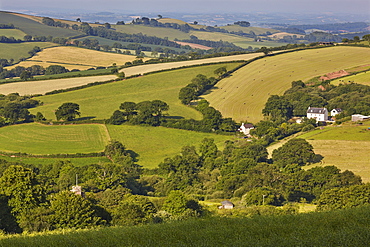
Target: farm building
(226, 205)
(359, 117)
(335, 111)
(245, 128)
(319, 114)
(77, 190)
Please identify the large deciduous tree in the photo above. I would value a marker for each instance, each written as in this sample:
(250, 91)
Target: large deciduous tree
(67, 111)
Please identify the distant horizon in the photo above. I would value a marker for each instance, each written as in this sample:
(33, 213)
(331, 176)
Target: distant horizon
(334, 7)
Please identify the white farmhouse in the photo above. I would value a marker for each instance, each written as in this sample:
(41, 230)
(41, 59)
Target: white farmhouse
(320, 114)
(335, 111)
(246, 128)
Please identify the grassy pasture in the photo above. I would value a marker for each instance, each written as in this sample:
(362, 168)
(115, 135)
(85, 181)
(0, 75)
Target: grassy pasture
(16, 33)
(76, 58)
(256, 30)
(346, 147)
(17, 51)
(253, 44)
(102, 100)
(361, 78)
(348, 227)
(219, 36)
(35, 28)
(243, 95)
(154, 144)
(160, 32)
(42, 139)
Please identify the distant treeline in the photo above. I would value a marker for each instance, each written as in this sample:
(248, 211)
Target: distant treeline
(335, 27)
(7, 26)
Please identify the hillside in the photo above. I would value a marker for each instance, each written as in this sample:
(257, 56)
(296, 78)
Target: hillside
(75, 58)
(243, 95)
(34, 28)
(338, 228)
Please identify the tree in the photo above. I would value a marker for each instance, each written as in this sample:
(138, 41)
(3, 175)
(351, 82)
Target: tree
(220, 71)
(67, 111)
(278, 107)
(133, 210)
(263, 196)
(177, 204)
(27, 38)
(71, 210)
(14, 112)
(25, 75)
(187, 94)
(296, 151)
(55, 69)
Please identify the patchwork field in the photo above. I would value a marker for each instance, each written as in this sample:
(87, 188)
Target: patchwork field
(256, 30)
(17, 51)
(42, 139)
(361, 78)
(16, 33)
(160, 32)
(101, 101)
(243, 95)
(346, 147)
(154, 144)
(76, 58)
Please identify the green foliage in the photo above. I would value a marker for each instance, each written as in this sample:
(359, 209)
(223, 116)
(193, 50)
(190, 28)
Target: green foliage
(55, 69)
(70, 210)
(263, 196)
(67, 111)
(178, 205)
(133, 210)
(295, 151)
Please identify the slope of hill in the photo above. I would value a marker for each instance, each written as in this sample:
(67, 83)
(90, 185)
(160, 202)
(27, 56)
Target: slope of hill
(243, 95)
(361, 78)
(75, 58)
(348, 227)
(35, 28)
(161, 32)
(101, 101)
(18, 51)
(16, 33)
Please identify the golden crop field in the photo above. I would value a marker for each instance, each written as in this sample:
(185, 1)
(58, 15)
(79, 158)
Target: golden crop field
(76, 58)
(243, 95)
(42, 87)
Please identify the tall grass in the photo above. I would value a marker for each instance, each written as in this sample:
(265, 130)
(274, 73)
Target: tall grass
(349, 227)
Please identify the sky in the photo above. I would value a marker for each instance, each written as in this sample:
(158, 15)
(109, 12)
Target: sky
(192, 6)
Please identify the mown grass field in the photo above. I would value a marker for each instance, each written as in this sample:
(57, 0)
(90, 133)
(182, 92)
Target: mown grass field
(336, 228)
(17, 51)
(102, 100)
(76, 58)
(346, 147)
(16, 33)
(256, 30)
(154, 144)
(43, 139)
(361, 78)
(243, 95)
(35, 28)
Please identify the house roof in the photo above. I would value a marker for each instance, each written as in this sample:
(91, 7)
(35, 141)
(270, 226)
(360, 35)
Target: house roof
(337, 109)
(227, 203)
(316, 110)
(248, 125)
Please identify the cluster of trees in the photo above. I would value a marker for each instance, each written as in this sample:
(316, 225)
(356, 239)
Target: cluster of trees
(38, 198)
(242, 23)
(213, 44)
(351, 98)
(311, 38)
(335, 27)
(28, 73)
(50, 22)
(7, 26)
(14, 108)
(4, 39)
(145, 112)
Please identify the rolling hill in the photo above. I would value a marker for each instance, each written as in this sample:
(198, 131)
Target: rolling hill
(243, 95)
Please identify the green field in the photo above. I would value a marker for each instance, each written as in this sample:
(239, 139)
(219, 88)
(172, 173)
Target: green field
(17, 51)
(154, 144)
(40, 161)
(34, 28)
(243, 95)
(256, 30)
(361, 78)
(43, 139)
(17, 34)
(101, 101)
(348, 227)
(160, 32)
(346, 147)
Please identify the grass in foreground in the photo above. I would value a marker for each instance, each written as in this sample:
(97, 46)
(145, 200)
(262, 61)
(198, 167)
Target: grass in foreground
(243, 95)
(154, 144)
(337, 228)
(43, 139)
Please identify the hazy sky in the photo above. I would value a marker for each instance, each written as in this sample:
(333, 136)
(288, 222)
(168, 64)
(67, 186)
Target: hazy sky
(189, 6)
